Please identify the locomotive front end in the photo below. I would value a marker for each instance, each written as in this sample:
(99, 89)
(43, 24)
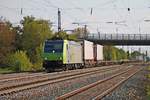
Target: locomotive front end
(53, 54)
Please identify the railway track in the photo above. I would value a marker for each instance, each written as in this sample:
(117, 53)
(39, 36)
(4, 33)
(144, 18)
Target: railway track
(101, 88)
(17, 76)
(8, 89)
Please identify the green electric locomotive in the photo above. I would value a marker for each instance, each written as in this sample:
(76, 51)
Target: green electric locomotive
(62, 54)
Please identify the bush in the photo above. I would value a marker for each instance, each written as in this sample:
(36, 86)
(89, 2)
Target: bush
(19, 61)
(38, 57)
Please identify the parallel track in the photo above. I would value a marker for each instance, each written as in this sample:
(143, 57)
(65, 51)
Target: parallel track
(103, 87)
(21, 76)
(44, 81)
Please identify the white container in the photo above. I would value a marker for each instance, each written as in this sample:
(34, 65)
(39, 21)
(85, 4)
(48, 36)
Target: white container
(88, 50)
(99, 52)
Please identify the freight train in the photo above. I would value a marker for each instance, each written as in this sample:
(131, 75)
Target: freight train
(65, 54)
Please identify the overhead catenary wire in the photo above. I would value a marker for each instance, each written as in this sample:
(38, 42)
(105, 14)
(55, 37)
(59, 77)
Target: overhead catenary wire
(84, 12)
(50, 4)
(105, 3)
(32, 7)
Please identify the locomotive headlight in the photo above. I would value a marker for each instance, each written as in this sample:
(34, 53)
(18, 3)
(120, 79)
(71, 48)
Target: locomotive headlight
(60, 58)
(45, 58)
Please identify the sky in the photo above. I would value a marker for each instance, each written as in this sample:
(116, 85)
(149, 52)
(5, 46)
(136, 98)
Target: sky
(79, 11)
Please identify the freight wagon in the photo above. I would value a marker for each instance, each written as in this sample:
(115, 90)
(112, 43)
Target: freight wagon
(88, 53)
(98, 54)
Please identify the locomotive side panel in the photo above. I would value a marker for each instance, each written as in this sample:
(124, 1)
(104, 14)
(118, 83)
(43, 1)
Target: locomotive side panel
(74, 53)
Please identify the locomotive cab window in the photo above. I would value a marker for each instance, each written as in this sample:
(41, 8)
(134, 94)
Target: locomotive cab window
(53, 47)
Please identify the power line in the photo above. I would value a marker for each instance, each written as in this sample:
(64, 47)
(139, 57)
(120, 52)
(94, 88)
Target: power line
(77, 7)
(70, 16)
(104, 4)
(51, 4)
(11, 8)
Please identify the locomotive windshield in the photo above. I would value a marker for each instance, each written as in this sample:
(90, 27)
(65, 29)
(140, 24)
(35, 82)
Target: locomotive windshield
(53, 47)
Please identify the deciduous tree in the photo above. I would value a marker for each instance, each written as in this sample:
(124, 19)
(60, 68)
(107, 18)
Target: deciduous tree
(7, 39)
(35, 32)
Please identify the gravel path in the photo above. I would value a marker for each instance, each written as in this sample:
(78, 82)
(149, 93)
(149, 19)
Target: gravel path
(133, 89)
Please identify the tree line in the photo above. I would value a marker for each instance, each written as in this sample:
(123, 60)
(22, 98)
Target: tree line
(21, 46)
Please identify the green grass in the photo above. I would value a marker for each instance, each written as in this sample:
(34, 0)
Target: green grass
(6, 70)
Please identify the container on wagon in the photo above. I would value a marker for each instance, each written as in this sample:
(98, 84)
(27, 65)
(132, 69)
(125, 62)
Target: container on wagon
(98, 52)
(88, 53)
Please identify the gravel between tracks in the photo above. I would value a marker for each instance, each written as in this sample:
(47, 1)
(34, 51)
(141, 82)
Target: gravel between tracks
(132, 89)
(33, 77)
(49, 92)
(45, 93)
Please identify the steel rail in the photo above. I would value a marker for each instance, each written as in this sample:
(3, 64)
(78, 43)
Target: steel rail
(98, 97)
(47, 74)
(14, 89)
(82, 89)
